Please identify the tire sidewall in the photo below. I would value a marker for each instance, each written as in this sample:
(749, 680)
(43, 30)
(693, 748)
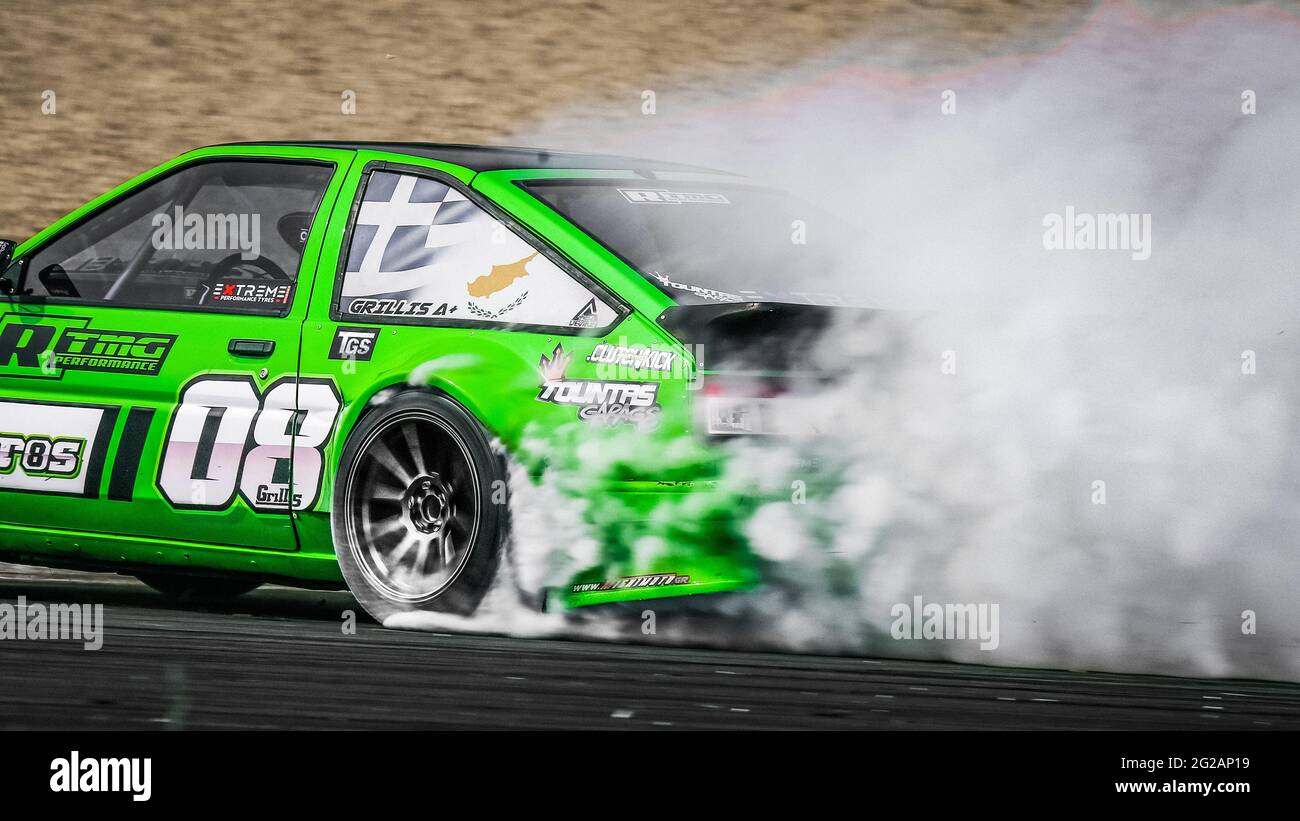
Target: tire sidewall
(475, 576)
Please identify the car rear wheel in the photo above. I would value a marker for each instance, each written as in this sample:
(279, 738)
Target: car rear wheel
(419, 513)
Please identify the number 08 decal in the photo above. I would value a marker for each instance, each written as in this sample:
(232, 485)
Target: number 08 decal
(225, 438)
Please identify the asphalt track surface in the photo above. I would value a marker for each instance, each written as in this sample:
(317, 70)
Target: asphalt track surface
(278, 659)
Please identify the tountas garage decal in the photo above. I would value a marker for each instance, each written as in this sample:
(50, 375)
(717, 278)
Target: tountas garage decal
(47, 347)
(599, 402)
(48, 447)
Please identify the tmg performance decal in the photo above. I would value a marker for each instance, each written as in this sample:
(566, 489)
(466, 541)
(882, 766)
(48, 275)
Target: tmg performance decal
(227, 438)
(44, 349)
(52, 447)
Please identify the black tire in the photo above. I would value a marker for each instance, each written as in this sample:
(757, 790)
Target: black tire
(419, 527)
(198, 588)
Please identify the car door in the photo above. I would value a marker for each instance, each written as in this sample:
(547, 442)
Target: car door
(148, 363)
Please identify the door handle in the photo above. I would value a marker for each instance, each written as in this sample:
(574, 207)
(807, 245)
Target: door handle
(257, 348)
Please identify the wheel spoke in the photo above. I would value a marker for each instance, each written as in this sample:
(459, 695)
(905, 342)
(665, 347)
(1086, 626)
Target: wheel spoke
(421, 554)
(448, 548)
(377, 557)
(384, 457)
(383, 528)
(443, 459)
(403, 547)
(456, 476)
(384, 479)
(460, 522)
(412, 437)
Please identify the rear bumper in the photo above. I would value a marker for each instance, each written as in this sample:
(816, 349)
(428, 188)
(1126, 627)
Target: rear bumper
(664, 539)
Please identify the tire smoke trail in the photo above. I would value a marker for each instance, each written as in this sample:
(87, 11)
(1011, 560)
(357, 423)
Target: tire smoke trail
(1102, 442)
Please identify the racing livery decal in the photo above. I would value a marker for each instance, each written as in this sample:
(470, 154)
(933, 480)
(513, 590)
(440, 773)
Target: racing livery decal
(49, 447)
(599, 402)
(483, 313)
(41, 455)
(356, 344)
(250, 293)
(588, 316)
(632, 582)
(698, 290)
(666, 197)
(44, 349)
(226, 439)
(419, 243)
(398, 307)
(130, 449)
(634, 358)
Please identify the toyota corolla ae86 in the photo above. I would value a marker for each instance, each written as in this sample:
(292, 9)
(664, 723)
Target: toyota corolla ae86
(321, 364)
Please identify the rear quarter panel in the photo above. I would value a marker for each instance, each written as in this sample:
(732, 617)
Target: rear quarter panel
(625, 481)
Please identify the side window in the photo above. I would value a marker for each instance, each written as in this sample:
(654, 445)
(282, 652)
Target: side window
(421, 249)
(220, 235)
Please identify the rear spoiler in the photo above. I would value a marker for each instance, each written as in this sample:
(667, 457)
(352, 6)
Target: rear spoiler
(692, 324)
(765, 335)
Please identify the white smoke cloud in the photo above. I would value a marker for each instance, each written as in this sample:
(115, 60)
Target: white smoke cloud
(1072, 367)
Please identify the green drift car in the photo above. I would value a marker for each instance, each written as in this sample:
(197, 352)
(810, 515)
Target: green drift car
(316, 363)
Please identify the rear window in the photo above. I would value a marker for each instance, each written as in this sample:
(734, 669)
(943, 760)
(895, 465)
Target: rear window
(709, 242)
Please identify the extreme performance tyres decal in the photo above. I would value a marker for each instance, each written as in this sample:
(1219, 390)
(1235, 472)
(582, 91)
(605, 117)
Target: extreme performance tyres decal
(226, 439)
(50, 447)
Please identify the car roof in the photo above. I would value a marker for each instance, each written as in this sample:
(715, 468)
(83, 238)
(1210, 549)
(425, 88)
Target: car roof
(495, 157)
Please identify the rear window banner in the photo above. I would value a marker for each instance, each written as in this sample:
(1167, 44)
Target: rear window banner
(421, 242)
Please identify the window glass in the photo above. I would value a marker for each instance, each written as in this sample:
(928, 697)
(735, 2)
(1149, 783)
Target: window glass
(701, 242)
(421, 249)
(226, 235)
